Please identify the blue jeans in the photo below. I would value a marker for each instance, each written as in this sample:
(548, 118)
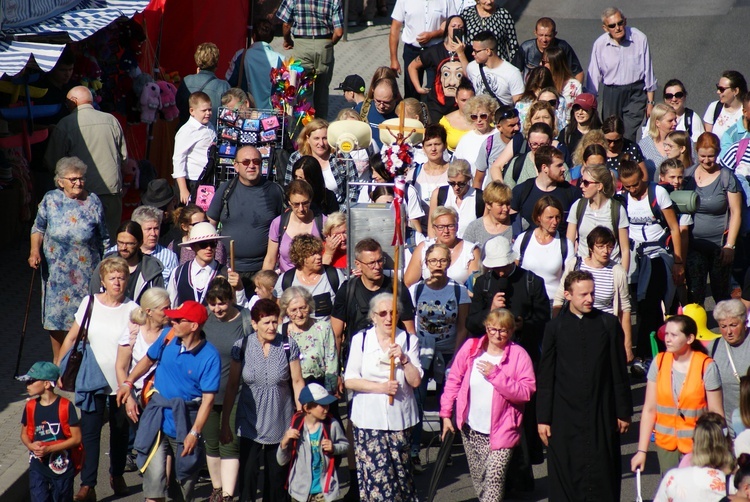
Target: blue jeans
(45, 488)
(91, 433)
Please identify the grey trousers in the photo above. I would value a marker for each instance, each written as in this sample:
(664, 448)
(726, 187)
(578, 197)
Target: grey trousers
(627, 102)
(317, 55)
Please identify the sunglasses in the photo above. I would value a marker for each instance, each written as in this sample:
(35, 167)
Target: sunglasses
(613, 141)
(300, 204)
(676, 95)
(721, 89)
(206, 244)
(617, 24)
(458, 184)
(247, 162)
(384, 313)
(482, 116)
(586, 183)
(552, 102)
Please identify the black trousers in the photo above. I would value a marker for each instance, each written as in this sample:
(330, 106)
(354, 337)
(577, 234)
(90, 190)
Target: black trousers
(91, 432)
(650, 314)
(410, 54)
(627, 102)
(252, 456)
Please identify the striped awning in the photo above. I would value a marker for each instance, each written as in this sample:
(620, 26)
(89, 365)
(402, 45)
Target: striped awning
(17, 45)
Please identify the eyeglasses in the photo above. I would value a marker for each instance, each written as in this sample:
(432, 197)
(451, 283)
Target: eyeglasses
(81, 180)
(384, 313)
(619, 23)
(552, 102)
(126, 244)
(508, 114)
(373, 263)
(586, 183)
(458, 184)
(534, 146)
(477, 51)
(383, 103)
(668, 146)
(296, 205)
(443, 228)
(438, 261)
(247, 162)
(676, 95)
(720, 88)
(482, 116)
(604, 247)
(496, 331)
(298, 310)
(206, 244)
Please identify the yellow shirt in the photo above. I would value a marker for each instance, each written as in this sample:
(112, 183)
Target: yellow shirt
(454, 135)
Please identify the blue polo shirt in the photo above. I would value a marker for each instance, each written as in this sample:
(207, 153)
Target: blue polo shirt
(186, 374)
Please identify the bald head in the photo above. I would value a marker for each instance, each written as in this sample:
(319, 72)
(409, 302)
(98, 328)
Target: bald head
(80, 95)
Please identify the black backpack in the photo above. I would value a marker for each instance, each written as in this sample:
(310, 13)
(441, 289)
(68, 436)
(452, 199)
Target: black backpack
(284, 223)
(333, 278)
(653, 204)
(525, 243)
(614, 212)
(442, 196)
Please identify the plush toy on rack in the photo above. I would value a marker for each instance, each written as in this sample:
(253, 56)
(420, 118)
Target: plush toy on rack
(168, 101)
(87, 73)
(150, 102)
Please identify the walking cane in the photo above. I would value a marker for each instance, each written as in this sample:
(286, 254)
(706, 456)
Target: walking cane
(25, 320)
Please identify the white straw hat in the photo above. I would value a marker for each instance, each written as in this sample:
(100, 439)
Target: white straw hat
(203, 231)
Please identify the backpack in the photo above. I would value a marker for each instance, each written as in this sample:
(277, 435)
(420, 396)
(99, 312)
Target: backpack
(516, 163)
(653, 204)
(298, 423)
(286, 216)
(442, 196)
(76, 452)
(228, 193)
(333, 278)
(148, 383)
(525, 243)
(284, 342)
(614, 212)
(689, 121)
(717, 111)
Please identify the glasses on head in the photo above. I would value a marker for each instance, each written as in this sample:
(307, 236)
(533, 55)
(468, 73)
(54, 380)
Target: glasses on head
(552, 102)
(586, 183)
(207, 244)
(721, 88)
(297, 205)
(374, 263)
(482, 116)
(438, 261)
(80, 179)
(247, 162)
(443, 228)
(496, 331)
(508, 114)
(123, 244)
(384, 313)
(676, 95)
(618, 24)
(458, 184)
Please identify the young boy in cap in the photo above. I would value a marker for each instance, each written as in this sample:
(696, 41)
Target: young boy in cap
(354, 89)
(50, 430)
(310, 445)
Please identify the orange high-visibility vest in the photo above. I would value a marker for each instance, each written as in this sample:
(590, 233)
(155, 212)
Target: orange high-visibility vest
(675, 422)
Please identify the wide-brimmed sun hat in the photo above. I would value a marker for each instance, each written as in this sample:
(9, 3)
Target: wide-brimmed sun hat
(203, 231)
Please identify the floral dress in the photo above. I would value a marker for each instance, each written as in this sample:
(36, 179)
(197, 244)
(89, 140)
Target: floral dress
(75, 236)
(318, 356)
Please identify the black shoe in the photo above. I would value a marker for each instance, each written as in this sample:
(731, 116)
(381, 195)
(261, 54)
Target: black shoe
(416, 462)
(130, 465)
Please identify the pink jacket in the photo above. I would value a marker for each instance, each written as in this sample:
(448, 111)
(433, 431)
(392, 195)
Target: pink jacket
(514, 383)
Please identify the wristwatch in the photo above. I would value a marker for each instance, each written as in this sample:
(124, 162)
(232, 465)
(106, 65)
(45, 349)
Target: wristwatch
(195, 433)
(651, 102)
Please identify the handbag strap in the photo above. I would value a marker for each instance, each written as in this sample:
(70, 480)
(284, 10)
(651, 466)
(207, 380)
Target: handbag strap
(487, 87)
(83, 331)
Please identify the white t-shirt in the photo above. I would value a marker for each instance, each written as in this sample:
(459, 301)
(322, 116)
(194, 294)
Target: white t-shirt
(420, 16)
(546, 260)
(643, 226)
(470, 146)
(425, 184)
(139, 349)
(436, 313)
(505, 81)
(724, 121)
(330, 180)
(467, 212)
(592, 219)
(480, 396)
(105, 329)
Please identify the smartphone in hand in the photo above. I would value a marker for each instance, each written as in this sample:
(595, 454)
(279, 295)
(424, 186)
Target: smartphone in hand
(458, 35)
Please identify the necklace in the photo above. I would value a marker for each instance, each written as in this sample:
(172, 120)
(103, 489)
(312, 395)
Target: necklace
(310, 279)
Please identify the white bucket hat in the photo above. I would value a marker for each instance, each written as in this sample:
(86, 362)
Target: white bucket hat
(498, 252)
(203, 231)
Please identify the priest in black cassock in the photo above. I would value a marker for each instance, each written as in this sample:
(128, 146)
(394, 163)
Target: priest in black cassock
(583, 397)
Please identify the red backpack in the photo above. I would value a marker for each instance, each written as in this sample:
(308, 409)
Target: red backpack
(298, 422)
(76, 453)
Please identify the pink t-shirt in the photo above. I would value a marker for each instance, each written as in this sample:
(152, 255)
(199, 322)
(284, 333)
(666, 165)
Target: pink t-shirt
(286, 242)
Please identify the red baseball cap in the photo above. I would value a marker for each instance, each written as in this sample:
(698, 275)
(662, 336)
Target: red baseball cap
(190, 311)
(586, 101)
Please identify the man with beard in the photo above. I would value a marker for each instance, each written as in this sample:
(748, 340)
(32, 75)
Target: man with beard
(145, 270)
(551, 181)
(583, 397)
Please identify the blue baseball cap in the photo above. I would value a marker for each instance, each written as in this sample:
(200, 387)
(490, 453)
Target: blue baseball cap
(315, 393)
(41, 370)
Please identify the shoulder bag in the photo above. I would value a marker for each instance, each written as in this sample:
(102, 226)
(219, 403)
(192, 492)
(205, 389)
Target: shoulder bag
(75, 359)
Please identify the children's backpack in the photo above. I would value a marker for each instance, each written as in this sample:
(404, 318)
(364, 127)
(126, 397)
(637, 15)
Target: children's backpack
(298, 423)
(76, 452)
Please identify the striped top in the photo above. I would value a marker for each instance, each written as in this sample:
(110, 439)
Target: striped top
(604, 286)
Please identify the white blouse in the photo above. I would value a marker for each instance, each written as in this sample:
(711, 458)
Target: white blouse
(372, 411)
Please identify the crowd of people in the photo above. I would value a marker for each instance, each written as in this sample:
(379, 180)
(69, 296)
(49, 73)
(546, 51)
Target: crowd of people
(538, 226)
